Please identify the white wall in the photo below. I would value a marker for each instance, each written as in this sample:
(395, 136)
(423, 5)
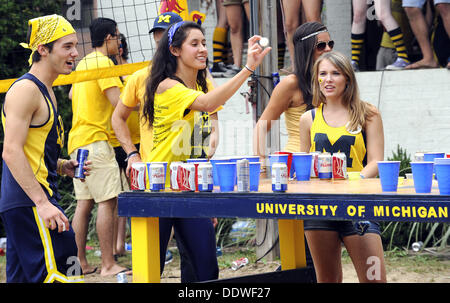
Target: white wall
(415, 107)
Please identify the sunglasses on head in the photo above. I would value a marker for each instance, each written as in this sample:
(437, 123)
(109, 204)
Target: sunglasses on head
(322, 45)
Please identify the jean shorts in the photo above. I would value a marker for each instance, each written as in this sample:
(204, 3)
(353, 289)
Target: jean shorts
(420, 3)
(343, 228)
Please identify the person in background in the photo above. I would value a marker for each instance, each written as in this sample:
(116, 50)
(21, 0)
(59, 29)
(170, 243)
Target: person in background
(292, 12)
(383, 13)
(236, 23)
(93, 103)
(342, 122)
(413, 9)
(41, 244)
(220, 43)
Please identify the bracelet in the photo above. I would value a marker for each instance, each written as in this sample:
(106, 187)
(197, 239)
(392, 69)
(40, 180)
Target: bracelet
(362, 176)
(248, 68)
(59, 168)
(134, 152)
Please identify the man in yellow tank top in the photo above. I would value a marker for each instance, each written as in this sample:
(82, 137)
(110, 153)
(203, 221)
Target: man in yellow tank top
(41, 243)
(92, 104)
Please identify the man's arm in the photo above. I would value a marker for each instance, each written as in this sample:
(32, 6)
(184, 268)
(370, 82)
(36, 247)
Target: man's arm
(113, 95)
(23, 107)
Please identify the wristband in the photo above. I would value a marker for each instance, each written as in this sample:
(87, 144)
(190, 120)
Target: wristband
(362, 176)
(135, 152)
(248, 68)
(59, 168)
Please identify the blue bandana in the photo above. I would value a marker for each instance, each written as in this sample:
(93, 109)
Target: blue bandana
(173, 29)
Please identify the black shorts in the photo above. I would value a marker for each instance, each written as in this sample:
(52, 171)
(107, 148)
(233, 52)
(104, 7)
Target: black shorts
(343, 228)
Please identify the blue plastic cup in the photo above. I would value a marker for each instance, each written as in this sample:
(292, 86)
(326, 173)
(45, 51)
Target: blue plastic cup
(197, 160)
(432, 156)
(215, 174)
(278, 158)
(227, 175)
(388, 171)
(302, 166)
(423, 176)
(255, 171)
(443, 177)
(252, 158)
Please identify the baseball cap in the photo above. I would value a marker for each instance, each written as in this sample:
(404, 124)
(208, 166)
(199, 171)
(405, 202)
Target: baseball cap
(165, 20)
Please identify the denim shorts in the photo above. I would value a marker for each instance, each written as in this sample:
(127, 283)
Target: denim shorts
(420, 3)
(343, 228)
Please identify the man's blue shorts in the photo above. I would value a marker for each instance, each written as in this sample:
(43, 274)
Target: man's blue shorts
(35, 254)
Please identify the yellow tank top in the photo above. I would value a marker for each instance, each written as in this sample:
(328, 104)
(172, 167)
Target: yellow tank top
(325, 138)
(292, 117)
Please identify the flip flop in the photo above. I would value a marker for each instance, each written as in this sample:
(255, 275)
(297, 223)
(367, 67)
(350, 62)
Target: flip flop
(90, 272)
(127, 270)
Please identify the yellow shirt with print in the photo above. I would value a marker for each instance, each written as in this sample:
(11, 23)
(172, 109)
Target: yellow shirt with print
(132, 96)
(173, 125)
(91, 108)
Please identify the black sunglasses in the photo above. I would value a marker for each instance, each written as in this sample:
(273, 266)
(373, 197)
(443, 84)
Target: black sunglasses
(322, 45)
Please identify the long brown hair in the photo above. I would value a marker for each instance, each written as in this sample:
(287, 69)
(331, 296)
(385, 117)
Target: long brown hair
(359, 110)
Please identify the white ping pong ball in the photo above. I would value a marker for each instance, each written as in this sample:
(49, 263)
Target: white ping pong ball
(263, 42)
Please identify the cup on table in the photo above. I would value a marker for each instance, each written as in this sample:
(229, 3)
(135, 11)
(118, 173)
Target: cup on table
(388, 171)
(443, 177)
(255, 170)
(215, 174)
(423, 176)
(289, 160)
(277, 158)
(197, 160)
(227, 174)
(252, 158)
(302, 166)
(432, 156)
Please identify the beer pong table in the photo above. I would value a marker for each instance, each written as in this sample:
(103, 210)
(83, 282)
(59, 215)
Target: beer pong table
(315, 199)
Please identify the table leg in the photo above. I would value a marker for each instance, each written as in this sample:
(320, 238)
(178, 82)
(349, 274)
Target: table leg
(145, 250)
(292, 244)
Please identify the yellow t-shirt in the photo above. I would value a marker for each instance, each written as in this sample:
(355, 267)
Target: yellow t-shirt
(132, 96)
(173, 125)
(133, 125)
(338, 139)
(91, 108)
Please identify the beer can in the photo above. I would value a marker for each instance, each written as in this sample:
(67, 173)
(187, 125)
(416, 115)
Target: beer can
(186, 177)
(325, 166)
(122, 277)
(279, 177)
(239, 263)
(315, 164)
(82, 155)
(173, 175)
(418, 157)
(243, 175)
(205, 177)
(339, 166)
(275, 79)
(156, 176)
(138, 176)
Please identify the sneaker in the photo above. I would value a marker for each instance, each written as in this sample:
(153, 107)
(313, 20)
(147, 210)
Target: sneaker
(169, 257)
(397, 65)
(355, 66)
(219, 67)
(232, 70)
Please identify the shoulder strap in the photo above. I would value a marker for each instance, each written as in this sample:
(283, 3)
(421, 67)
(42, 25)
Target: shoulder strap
(313, 113)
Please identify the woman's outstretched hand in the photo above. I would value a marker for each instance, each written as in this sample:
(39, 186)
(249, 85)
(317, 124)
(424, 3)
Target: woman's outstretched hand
(255, 52)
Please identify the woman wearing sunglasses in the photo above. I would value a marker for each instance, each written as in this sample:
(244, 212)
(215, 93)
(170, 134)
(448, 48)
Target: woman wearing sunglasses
(343, 122)
(293, 95)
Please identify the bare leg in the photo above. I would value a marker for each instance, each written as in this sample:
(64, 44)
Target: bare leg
(366, 253)
(325, 248)
(80, 224)
(234, 17)
(291, 14)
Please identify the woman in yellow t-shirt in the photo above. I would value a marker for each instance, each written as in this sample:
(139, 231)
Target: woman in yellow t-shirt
(343, 123)
(176, 89)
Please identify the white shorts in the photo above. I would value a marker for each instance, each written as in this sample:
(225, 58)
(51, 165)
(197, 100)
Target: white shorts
(104, 181)
(420, 3)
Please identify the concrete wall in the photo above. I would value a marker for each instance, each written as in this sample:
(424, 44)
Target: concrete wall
(415, 107)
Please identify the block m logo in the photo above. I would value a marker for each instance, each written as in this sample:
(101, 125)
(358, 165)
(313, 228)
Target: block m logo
(343, 145)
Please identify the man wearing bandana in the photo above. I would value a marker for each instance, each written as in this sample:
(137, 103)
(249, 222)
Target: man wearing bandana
(41, 243)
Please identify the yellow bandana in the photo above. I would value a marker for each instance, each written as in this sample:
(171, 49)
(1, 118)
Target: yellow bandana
(46, 29)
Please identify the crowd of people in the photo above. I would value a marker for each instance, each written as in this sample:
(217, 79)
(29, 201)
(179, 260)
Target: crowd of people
(124, 120)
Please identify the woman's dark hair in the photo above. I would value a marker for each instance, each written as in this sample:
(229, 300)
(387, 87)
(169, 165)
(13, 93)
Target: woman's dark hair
(164, 65)
(304, 57)
(100, 28)
(124, 46)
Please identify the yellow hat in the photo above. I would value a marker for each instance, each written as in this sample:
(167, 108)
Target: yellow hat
(46, 29)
